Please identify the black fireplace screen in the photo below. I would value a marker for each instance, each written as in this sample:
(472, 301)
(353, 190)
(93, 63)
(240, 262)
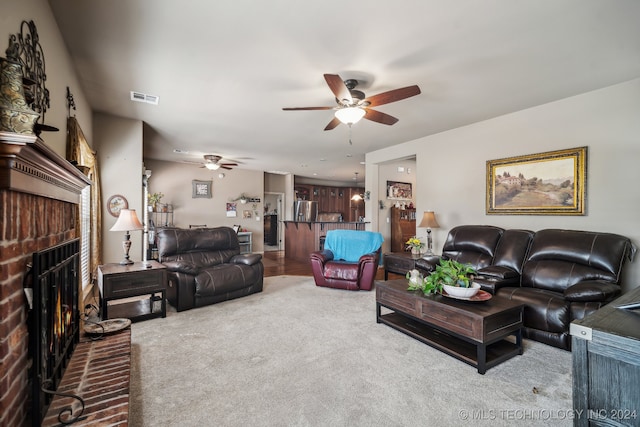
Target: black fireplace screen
(54, 320)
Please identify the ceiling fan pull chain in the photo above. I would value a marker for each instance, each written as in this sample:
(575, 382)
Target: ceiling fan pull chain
(350, 143)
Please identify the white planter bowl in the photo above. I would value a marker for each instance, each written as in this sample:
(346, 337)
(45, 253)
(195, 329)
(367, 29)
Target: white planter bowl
(459, 292)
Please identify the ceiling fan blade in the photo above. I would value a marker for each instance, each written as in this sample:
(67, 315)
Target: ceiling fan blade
(377, 116)
(226, 167)
(228, 164)
(332, 124)
(393, 95)
(307, 108)
(338, 88)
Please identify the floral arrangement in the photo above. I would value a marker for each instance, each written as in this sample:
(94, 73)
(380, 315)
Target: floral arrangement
(414, 243)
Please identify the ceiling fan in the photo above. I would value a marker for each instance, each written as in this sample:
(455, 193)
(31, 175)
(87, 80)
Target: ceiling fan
(212, 162)
(353, 105)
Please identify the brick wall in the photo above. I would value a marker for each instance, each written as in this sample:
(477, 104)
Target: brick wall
(28, 223)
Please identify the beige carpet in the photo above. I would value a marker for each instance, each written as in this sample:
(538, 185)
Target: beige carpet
(299, 355)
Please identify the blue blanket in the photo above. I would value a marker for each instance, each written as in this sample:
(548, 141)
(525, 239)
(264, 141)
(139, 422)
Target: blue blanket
(350, 245)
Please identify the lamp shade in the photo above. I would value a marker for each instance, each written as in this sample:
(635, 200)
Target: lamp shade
(350, 115)
(127, 220)
(212, 166)
(429, 220)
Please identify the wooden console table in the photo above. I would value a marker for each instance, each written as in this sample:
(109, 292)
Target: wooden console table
(471, 332)
(605, 347)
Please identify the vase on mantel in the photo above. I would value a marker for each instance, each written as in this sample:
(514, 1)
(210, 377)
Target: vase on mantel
(416, 251)
(15, 115)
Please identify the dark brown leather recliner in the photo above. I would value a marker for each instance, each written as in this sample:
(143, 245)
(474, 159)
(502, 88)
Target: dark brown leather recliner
(205, 266)
(567, 275)
(508, 261)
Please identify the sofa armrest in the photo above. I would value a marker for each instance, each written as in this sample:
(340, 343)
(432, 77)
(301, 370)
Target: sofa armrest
(592, 290)
(247, 259)
(182, 267)
(323, 256)
(428, 263)
(498, 272)
(370, 257)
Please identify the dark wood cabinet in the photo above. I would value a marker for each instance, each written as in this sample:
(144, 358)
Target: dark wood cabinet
(403, 227)
(333, 199)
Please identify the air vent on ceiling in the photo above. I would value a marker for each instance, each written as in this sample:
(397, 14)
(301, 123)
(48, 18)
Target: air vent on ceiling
(143, 97)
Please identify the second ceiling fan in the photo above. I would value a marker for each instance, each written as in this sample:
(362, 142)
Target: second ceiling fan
(213, 162)
(353, 105)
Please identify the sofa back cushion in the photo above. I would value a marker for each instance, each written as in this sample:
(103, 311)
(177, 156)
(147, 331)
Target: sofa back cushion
(472, 244)
(512, 249)
(202, 247)
(559, 259)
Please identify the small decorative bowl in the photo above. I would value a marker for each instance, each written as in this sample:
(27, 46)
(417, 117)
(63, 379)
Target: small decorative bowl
(459, 292)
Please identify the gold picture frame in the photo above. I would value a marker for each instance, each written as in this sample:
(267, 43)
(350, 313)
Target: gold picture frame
(549, 183)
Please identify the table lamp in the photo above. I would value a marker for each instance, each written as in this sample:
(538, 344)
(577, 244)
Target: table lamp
(127, 221)
(429, 221)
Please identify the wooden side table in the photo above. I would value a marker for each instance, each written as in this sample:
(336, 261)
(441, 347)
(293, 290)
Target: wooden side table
(399, 263)
(117, 281)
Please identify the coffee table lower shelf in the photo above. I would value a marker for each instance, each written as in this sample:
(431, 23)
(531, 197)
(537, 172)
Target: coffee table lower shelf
(478, 355)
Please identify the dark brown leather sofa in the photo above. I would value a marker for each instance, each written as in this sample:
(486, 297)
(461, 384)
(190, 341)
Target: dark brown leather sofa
(559, 275)
(205, 266)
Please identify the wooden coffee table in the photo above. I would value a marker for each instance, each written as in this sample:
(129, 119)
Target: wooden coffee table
(473, 332)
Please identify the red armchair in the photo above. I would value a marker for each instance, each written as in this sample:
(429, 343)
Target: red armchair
(349, 260)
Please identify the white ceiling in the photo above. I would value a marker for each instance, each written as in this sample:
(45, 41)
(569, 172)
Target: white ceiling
(224, 69)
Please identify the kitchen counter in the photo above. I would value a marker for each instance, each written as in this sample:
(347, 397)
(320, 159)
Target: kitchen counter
(304, 237)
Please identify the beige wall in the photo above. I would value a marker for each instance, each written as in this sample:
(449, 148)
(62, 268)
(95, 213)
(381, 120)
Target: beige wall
(59, 69)
(174, 180)
(606, 121)
(119, 146)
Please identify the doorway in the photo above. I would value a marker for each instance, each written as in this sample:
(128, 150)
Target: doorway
(273, 204)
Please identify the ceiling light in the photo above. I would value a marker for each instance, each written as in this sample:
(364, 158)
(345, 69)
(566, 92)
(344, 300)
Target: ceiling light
(212, 166)
(350, 115)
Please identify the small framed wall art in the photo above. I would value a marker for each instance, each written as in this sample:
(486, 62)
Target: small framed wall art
(399, 190)
(116, 203)
(201, 189)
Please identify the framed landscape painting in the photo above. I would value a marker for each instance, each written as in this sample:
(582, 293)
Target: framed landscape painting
(551, 183)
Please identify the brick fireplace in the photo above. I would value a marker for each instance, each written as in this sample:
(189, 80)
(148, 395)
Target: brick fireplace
(39, 197)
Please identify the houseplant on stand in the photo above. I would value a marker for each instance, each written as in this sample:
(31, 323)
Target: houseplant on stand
(153, 200)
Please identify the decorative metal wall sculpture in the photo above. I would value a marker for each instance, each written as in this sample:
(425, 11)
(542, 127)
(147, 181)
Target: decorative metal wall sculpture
(25, 49)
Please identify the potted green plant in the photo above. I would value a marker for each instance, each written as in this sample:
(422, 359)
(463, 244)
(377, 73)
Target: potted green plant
(154, 199)
(448, 273)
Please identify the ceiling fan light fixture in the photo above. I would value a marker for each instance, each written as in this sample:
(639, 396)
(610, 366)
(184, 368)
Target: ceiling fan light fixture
(212, 166)
(350, 115)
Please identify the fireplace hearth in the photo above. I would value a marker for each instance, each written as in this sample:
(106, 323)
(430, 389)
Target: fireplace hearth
(54, 324)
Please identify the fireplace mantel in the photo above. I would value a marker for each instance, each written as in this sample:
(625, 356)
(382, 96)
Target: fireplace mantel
(28, 165)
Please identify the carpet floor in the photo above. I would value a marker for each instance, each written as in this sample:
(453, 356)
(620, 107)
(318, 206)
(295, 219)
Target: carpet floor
(299, 355)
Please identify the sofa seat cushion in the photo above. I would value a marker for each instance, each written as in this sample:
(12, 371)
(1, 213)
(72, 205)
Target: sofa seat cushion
(224, 278)
(543, 310)
(341, 270)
